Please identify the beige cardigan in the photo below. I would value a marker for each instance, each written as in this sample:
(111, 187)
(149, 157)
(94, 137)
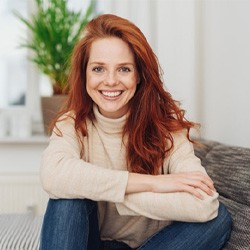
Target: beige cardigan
(102, 176)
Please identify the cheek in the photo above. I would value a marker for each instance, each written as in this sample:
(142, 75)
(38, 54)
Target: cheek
(91, 82)
(133, 84)
(90, 86)
(132, 88)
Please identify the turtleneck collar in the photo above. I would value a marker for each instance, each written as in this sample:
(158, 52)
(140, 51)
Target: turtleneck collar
(108, 125)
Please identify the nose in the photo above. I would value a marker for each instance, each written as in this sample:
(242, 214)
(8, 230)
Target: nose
(111, 79)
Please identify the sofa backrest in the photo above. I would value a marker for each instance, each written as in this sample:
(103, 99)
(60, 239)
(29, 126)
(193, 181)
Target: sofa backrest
(229, 167)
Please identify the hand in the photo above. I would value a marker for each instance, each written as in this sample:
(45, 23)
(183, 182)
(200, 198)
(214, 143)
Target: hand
(188, 182)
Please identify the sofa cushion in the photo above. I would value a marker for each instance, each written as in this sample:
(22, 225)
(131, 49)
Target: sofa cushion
(229, 167)
(240, 235)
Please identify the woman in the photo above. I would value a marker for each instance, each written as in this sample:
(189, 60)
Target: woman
(120, 167)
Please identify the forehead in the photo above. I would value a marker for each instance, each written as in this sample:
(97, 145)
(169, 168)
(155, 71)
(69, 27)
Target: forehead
(112, 48)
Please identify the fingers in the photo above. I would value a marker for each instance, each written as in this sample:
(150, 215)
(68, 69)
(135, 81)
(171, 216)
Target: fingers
(199, 176)
(205, 179)
(201, 185)
(193, 191)
(198, 179)
(192, 181)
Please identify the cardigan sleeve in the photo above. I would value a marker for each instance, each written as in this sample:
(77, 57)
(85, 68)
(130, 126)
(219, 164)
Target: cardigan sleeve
(64, 174)
(179, 206)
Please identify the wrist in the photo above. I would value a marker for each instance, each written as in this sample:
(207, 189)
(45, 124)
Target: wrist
(140, 183)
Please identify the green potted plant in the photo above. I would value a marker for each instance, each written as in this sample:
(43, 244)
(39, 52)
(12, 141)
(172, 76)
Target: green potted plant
(54, 30)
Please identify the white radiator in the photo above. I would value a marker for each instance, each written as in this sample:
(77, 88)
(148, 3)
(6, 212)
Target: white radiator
(21, 193)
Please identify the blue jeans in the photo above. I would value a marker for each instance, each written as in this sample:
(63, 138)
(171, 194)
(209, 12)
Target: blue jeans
(73, 225)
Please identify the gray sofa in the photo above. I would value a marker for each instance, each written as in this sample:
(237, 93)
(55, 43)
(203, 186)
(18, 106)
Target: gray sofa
(229, 167)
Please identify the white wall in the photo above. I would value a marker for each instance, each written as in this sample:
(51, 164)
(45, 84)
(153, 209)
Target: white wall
(141, 12)
(226, 71)
(204, 49)
(176, 51)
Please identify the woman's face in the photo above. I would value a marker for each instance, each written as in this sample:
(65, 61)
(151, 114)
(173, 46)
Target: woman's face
(111, 76)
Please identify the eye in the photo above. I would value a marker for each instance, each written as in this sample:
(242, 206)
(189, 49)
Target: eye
(98, 69)
(125, 69)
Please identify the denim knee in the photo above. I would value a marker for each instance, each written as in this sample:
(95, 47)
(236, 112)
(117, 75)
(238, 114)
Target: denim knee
(224, 215)
(68, 224)
(72, 206)
(224, 218)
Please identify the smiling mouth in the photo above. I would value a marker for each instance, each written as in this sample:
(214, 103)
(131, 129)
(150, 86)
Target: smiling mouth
(111, 93)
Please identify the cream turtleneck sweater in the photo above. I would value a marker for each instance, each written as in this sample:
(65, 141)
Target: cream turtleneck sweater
(101, 175)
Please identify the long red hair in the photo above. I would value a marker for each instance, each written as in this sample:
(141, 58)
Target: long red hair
(153, 114)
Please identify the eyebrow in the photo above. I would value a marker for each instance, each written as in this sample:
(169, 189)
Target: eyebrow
(119, 64)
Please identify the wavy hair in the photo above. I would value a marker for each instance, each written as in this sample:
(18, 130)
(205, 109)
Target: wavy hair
(153, 114)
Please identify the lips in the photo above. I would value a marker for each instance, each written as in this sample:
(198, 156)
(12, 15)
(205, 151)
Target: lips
(111, 93)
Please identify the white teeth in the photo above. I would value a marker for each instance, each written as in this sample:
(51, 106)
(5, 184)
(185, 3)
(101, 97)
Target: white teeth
(111, 94)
